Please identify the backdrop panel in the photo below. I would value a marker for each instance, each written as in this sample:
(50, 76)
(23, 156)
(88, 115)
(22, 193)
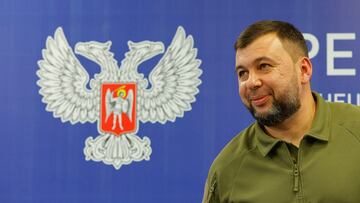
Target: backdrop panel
(42, 158)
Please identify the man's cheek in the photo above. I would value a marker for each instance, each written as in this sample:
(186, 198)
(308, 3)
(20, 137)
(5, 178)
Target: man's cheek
(245, 101)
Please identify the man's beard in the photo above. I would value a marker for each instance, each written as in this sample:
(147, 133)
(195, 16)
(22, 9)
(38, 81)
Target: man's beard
(282, 108)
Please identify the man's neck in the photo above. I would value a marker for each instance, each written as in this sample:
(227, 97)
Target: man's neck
(293, 129)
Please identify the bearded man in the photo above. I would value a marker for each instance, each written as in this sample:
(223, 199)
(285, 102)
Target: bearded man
(300, 148)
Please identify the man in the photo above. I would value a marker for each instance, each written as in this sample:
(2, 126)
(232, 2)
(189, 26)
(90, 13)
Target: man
(301, 148)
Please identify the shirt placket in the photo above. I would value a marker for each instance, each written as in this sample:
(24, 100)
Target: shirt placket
(294, 154)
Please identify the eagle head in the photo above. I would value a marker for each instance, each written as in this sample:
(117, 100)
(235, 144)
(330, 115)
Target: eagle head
(144, 50)
(95, 51)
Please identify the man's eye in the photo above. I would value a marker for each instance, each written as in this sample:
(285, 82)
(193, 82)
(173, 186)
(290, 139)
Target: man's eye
(264, 66)
(242, 74)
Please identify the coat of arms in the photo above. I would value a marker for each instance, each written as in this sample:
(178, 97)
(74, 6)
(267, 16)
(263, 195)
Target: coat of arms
(119, 96)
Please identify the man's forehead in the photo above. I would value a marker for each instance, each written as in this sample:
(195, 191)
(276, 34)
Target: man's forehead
(268, 46)
(266, 42)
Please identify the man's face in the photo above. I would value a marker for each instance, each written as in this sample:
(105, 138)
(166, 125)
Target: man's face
(268, 80)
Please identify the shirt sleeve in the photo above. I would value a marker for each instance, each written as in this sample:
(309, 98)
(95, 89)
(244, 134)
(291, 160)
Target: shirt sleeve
(211, 194)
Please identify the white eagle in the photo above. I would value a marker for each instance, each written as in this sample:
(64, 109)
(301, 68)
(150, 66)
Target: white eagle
(173, 85)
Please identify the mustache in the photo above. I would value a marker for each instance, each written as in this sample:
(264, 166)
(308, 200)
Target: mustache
(256, 94)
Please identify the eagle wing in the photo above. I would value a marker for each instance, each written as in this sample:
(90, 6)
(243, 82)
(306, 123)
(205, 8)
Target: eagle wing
(174, 82)
(63, 83)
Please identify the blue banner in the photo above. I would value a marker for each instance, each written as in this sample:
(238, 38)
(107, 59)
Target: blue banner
(130, 101)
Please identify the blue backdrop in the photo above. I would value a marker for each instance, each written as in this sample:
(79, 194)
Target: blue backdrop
(41, 158)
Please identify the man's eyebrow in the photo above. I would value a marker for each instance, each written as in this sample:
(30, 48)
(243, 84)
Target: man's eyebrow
(239, 67)
(257, 60)
(262, 58)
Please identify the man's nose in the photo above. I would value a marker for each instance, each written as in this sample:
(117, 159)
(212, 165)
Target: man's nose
(254, 81)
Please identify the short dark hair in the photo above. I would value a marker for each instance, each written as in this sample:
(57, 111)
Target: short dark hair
(286, 32)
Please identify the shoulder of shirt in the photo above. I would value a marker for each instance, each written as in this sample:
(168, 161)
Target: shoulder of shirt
(238, 147)
(347, 116)
(344, 112)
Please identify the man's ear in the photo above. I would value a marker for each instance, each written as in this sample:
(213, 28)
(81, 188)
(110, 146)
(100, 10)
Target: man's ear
(305, 70)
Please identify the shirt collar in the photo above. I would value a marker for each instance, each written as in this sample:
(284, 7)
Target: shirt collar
(264, 141)
(319, 128)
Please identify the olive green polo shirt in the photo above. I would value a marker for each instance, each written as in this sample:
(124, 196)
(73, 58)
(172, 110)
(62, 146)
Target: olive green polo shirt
(257, 168)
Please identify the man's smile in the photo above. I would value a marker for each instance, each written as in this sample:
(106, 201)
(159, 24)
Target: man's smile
(259, 100)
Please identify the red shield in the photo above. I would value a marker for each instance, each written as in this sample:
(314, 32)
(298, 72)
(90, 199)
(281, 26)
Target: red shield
(118, 108)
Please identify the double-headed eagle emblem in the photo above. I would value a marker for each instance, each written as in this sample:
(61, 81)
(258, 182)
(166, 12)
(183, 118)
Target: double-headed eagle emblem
(118, 97)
